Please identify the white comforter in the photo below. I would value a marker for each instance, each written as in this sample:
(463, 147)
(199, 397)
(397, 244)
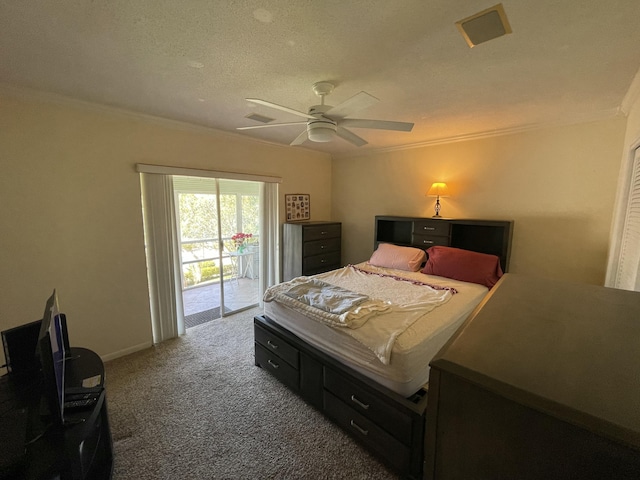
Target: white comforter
(393, 304)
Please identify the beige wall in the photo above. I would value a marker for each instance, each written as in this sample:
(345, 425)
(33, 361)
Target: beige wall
(71, 215)
(557, 184)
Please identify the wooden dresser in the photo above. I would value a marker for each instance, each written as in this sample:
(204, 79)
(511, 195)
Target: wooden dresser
(310, 248)
(542, 381)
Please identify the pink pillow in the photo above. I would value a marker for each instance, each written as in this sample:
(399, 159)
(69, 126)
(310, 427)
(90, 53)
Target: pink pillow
(463, 265)
(401, 258)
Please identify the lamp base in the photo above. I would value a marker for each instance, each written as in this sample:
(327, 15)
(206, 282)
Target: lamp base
(437, 215)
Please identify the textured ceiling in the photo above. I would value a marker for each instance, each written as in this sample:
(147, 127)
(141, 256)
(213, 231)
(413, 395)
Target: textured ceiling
(197, 61)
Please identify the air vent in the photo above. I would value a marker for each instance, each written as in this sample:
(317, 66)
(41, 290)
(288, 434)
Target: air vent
(259, 118)
(484, 26)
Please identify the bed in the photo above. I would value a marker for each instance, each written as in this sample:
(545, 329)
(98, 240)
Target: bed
(356, 342)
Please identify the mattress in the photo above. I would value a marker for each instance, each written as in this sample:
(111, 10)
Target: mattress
(413, 349)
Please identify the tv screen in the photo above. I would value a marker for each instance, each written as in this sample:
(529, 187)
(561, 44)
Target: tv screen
(51, 351)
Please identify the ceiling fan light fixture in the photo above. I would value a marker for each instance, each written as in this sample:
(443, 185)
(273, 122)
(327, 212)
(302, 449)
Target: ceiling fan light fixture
(321, 130)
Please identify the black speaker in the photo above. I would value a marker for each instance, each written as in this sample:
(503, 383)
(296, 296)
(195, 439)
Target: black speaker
(19, 345)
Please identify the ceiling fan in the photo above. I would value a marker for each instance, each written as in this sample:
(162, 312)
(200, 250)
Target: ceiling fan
(324, 122)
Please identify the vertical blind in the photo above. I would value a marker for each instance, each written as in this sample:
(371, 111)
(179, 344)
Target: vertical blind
(629, 260)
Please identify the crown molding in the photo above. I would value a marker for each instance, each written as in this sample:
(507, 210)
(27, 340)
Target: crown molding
(575, 120)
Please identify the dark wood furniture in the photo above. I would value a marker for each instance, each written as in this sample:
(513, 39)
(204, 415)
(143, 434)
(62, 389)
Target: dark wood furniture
(81, 449)
(310, 248)
(484, 236)
(542, 381)
(391, 426)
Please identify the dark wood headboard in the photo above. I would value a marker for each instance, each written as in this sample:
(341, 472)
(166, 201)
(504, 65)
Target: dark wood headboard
(484, 236)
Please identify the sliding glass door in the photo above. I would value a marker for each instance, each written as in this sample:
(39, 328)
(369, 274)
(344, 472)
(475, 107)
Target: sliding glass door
(218, 230)
(240, 234)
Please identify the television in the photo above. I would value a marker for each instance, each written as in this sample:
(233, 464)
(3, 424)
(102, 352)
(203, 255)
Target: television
(51, 346)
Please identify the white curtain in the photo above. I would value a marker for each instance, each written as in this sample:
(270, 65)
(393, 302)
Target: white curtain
(165, 293)
(623, 270)
(269, 237)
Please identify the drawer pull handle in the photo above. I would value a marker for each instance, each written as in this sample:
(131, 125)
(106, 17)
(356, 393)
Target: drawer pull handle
(429, 242)
(359, 428)
(272, 345)
(321, 247)
(323, 233)
(323, 261)
(429, 228)
(273, 364)
(359, 403)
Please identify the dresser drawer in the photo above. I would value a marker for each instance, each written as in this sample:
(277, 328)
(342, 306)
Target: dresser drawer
(318, 232)
(318, 247)
(362, 428)
(320, 263)
(278, 367)
(426, 241)
(431, 227)
(369, 405)
(274, 344)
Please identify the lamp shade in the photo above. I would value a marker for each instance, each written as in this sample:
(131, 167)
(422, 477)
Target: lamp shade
(438, 190)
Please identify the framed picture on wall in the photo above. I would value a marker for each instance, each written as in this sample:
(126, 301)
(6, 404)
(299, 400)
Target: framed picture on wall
(298, 207)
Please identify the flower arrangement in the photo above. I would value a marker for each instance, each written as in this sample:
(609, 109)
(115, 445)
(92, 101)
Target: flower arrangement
(240, 240)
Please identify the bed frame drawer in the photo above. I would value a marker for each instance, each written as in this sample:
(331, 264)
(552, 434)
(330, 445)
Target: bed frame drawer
(366, 431)
(394, 425)
(278, 367)
(369, 405)
(277, 346)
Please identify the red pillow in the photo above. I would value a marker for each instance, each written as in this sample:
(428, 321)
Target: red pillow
(463, 265)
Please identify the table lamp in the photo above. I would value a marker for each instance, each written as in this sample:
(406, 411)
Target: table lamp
(438, 190)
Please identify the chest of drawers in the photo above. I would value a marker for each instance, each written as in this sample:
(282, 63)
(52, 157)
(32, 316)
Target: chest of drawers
(310, 248)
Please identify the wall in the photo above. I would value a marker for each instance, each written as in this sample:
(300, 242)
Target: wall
(557, 184)
(71, 214)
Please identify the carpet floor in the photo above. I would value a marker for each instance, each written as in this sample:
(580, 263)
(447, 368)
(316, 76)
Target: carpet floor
(197, 407)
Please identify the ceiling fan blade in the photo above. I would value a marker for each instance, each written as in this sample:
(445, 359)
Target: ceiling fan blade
(354, 104)
(350, 137)
(300, 138)
(271, 125)
(279, 107)
(379, 124)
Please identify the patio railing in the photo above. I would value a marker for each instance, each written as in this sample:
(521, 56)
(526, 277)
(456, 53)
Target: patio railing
(201, 265)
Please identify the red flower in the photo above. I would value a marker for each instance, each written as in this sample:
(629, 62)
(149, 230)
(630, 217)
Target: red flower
(239, 238)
